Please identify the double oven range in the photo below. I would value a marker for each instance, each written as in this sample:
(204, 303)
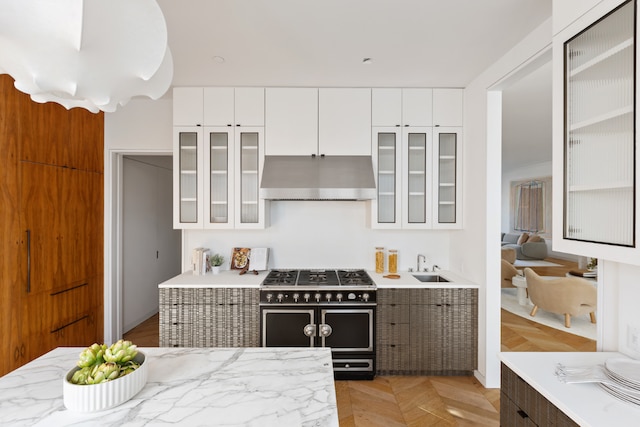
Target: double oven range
(322, 308)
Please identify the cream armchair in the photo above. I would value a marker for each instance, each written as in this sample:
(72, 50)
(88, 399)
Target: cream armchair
(571, 296)
(508, 271)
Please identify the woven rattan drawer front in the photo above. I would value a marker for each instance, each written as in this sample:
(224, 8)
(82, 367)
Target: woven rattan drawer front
(393, 359)
(393, 296)
(529, 403)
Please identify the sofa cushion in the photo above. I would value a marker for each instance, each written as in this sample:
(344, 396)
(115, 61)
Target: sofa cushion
(523, 238)
(510, 238)
(534, 238)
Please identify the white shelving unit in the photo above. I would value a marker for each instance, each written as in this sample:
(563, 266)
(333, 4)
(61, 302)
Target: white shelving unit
(599, 131)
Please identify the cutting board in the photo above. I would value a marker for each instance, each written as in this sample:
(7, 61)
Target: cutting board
(259, 259)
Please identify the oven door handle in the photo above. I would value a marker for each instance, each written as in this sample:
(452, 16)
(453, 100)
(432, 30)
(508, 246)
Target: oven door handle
(310, 330)
(325, 330)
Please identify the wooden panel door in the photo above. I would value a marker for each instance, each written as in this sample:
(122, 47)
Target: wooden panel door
(11, 271)
(44, 132)
(43, 209)
(85, 148)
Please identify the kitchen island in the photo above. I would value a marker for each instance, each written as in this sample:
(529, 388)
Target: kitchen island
(187, 386)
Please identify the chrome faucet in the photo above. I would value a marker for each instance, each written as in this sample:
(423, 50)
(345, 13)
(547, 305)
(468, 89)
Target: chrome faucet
(421, 266)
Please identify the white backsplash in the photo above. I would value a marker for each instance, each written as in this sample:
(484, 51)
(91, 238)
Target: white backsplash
(324, 234)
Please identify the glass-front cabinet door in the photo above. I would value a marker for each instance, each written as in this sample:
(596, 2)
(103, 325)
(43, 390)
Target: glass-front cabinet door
(187, 166)
(250, 208)
(447, 177)
(598, 132)
(219, 177)
(417, 178)
(387, 160)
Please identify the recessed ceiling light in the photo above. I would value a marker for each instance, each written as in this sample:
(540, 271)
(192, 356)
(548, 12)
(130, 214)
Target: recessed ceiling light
(218, 59)
(367, 60)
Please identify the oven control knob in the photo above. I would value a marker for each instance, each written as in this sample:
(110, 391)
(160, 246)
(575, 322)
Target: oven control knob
(317, 297)
(339, 297)
(365, 297)
(328, 296)
(269, 297)
(306, 297)
(351, 295)
(280, 297)
(296, 297)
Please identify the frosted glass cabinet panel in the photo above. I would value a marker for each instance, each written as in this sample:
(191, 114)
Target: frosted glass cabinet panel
(387, 162)
(417, 177)
(218, 168)
(187, 189)
(599, 134)
(250, 159)
(446, 174)
(417, 157)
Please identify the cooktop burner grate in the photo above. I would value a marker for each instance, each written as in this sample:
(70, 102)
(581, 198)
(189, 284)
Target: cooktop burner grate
(318, 278)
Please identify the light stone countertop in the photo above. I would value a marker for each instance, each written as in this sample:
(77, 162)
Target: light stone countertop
(187, 387)
(586, 404)
(407, 280)
(226, 278)
(231, 279)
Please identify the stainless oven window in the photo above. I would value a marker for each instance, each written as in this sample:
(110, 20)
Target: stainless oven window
(351, 329)
(288, 327)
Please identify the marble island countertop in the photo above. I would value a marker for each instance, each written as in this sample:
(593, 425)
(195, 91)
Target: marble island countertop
(187, 386)
(232, 279)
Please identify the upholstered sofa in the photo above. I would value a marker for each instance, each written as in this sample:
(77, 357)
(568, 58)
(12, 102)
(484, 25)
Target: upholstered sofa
(527, 246)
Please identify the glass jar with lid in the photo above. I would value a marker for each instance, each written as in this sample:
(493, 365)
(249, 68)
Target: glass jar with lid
(379, 259)
(393, 260)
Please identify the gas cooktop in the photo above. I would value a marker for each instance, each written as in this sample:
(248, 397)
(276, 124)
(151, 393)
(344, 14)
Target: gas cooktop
(318, 278)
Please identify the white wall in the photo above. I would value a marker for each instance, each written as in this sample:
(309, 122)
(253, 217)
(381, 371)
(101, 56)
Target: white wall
(324, 234)
(473, 251)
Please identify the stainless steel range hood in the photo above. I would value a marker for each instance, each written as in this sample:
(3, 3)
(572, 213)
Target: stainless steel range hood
(318, 178)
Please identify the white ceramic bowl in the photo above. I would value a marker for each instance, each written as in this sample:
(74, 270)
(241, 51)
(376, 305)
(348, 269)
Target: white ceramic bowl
(98, 397)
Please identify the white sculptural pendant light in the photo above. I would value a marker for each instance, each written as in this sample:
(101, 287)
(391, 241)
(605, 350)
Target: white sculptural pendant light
(94, 54)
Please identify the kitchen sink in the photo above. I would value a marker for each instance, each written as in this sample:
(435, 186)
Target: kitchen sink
(430, 278)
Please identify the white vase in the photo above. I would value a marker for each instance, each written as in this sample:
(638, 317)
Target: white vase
(215, 269)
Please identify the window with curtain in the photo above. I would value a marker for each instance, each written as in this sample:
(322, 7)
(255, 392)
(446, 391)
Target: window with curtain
(529, 212)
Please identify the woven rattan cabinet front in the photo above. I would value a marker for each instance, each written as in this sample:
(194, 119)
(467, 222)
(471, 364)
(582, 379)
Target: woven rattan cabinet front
(427, 331)
(209, 317)
(522, 406)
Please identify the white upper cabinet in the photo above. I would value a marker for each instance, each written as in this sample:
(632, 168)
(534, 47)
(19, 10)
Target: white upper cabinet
(291, 126)
(386, 107)
(595, 186)
(344, 124)
(187, 106)
(219, 106)
(224, 106)
(249, 106)
(417, 107)
(447, 107)
(401, 107)
(217, 167)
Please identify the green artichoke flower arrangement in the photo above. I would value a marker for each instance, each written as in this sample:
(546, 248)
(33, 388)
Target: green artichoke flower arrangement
(100, 363)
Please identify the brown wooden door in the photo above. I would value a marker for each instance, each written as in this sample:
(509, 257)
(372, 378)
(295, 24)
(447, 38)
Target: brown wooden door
(13, 348)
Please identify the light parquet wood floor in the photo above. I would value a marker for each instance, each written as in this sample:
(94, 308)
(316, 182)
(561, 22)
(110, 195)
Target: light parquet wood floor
(392, 401)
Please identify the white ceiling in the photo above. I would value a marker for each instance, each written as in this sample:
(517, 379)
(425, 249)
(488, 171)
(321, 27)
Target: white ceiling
(412, 43)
